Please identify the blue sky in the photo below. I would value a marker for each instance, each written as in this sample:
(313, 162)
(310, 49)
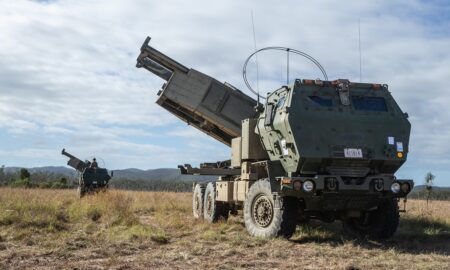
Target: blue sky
(68, 76)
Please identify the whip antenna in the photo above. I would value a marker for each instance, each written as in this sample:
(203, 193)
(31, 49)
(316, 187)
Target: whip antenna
(359, 43)
(287, 66)
(284, 49)
(256, 60)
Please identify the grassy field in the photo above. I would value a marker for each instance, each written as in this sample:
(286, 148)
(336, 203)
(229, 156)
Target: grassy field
(53, 229)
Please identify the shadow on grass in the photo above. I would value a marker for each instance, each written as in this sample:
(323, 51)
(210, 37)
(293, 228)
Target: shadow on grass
(415, 236)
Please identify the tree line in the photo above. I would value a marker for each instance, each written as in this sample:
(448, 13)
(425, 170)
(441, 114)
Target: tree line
(23, 178)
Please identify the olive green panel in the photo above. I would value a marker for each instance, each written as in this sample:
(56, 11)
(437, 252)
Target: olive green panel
(95, 176)
(309, 138)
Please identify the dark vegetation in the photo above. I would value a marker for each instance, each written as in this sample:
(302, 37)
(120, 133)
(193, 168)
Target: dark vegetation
(162, 181)
(437, 193)
(58, 180)
(23, 178)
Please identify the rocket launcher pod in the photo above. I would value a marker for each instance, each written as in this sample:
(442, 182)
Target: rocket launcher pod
(213, 107)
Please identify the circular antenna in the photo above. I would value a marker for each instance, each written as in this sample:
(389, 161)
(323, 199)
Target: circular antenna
(99, 160)
(288, 50)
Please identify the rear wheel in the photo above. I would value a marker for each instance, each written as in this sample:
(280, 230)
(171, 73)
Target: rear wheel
(378, 224)
(197, 201)
(213, 210)
(267, 217)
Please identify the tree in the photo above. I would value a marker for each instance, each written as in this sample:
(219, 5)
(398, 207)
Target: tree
(2, 175)
(429, 179)
(24, 174)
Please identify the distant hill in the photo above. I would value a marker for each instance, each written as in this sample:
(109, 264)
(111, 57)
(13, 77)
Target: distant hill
(423, 187)
(147, 174)
(164, 174)
(47, 169)
(132, 173)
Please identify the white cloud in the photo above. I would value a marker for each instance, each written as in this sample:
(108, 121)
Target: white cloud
(68, 76)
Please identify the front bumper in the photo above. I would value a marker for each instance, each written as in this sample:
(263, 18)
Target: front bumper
(336, 193)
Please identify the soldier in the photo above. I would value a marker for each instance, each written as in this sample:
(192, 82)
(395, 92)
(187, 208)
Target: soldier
(94, 163)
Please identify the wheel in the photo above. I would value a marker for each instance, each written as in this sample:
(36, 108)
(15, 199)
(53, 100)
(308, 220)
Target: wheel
(267, 217)
(212, 210)
(378, 224)
(197, 201)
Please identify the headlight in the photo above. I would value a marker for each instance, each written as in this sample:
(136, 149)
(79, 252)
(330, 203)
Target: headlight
(297, 185)
(405, 188)
(395, 187)
(308, 186)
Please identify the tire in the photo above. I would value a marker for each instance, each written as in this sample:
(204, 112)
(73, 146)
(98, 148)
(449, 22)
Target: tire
(267, 218)
(212, 210)
(378, 224)
(80, 192)
(197, 201)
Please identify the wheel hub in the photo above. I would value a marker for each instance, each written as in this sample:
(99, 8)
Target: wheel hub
(262, 211)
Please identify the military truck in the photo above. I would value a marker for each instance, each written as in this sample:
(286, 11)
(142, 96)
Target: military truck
(316, 149)
(91, 178)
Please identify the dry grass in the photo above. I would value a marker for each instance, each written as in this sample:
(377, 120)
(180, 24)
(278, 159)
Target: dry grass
(148, 230)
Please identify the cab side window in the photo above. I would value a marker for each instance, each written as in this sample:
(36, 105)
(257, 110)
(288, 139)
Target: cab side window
(281, 102)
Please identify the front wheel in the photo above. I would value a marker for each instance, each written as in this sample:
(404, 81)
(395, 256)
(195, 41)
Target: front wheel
(267, 217)
(378, 224)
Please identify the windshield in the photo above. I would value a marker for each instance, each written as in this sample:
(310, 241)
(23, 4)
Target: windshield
(377, 104)
(321, 101)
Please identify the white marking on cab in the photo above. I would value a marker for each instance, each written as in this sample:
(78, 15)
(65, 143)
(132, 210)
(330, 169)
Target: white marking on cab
(391, 140)
(284, 147)
(353, 152)
(399, 146)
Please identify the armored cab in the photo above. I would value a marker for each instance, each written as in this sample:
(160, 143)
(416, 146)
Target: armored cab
(317, 149)
(351, 130)
(91, 177)
(316, 128)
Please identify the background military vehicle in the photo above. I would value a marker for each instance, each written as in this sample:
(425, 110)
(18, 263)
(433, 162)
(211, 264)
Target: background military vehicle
(91, 178)
(316, 149)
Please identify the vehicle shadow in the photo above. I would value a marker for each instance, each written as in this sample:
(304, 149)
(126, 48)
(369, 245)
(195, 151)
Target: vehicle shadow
(414, 236)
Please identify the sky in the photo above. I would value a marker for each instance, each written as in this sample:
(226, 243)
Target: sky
(68, 77)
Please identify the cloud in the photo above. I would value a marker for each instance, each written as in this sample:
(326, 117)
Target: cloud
(68, 76)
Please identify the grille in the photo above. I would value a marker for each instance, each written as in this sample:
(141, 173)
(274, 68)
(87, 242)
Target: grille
(348, 171)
